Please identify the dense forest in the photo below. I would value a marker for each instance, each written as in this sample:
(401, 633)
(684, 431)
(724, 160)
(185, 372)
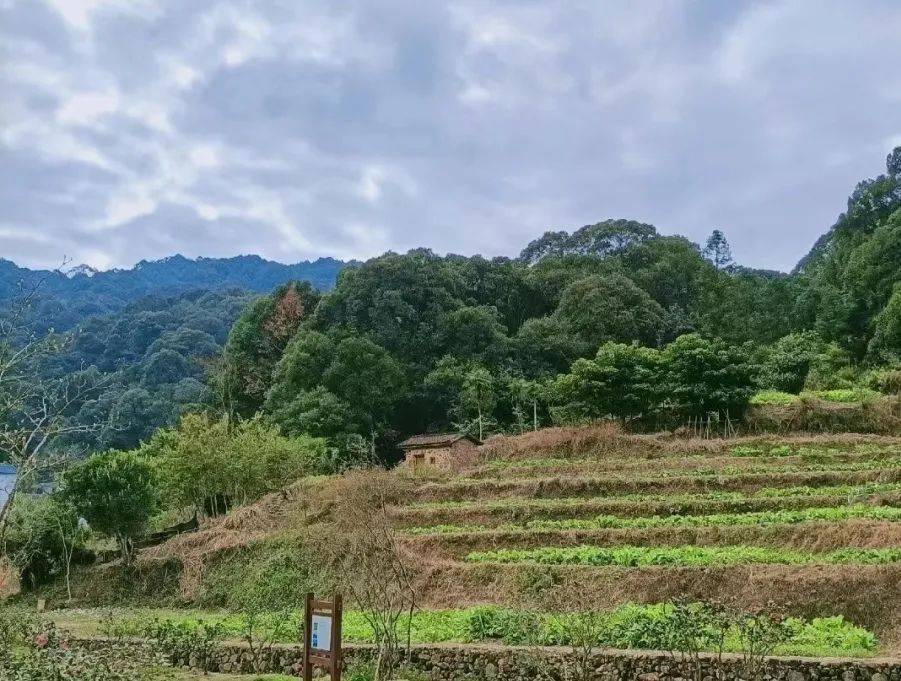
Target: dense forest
(613, 319)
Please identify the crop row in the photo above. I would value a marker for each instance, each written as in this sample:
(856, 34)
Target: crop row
(627, 626)
(814, 451)
(642, 556)
(832, 514)
(592, 486)
(851, 491)
(705, 470)
(742, 457)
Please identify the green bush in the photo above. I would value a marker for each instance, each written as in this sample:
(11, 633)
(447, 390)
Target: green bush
(43, 535)
(833, 633)
(628, 626)
(789, 361)
(691, 377)
(887, 381)
(116, 492)
(205, 460)
(46, 653)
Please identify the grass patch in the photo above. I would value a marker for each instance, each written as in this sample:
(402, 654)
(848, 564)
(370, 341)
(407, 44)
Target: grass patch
(683, 556)
(839, 396)
(832, 514)
(774, 398)
(845, 395)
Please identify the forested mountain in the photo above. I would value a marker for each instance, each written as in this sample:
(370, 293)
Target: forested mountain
(149, 362)
(64, 299)
(145, 337)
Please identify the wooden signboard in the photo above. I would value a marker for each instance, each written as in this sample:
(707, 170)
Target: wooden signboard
(322, 637)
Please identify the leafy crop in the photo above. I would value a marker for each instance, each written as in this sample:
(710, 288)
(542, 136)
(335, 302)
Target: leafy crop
(836, 514)
(628, 626)
(642, 556)
(514, 503)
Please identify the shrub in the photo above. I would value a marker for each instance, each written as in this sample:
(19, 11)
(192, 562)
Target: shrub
(115, 492)
(510, 626)
(205, 459)
(789, 360)
(691, 377)
(43, 534)
(15, 626)
(886, 381)
(829, 632)
(677, 626)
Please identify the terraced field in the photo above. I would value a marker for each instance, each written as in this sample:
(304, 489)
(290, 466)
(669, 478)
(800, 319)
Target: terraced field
(810, 525)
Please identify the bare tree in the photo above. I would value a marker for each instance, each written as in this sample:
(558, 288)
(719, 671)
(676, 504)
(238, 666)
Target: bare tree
(35, 410)
(365, 560)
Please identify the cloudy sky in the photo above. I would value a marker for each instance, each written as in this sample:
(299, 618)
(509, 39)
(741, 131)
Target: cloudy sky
(134, 129)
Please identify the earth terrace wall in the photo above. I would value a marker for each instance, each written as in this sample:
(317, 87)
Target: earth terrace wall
(453, 662)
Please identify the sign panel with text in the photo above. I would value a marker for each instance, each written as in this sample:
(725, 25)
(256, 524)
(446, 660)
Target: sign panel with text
(322, 637)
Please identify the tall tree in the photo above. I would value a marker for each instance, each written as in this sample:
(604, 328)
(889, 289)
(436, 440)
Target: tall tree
(256, 344)
(478, 396)
(717, 250)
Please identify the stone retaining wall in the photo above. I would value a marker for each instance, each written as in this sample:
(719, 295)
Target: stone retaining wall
(449, 662)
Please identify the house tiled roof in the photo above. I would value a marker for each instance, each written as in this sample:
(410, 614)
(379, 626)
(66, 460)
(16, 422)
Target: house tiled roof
(434, 440)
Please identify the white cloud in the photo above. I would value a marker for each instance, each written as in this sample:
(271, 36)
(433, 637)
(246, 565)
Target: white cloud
(86, 107)
(316, 128)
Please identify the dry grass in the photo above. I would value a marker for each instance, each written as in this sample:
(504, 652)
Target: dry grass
(598, 438)
(812, 415)
(606, 439)
(9, 578)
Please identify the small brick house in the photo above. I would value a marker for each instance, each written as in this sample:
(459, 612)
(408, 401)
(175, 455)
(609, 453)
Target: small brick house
(440, 450)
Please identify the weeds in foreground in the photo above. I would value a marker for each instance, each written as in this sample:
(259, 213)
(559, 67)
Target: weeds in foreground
(186, 643)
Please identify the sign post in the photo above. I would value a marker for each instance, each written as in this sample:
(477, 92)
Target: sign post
(322, 637)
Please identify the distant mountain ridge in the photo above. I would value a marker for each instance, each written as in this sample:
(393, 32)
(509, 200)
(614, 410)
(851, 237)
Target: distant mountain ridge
(66, 298)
